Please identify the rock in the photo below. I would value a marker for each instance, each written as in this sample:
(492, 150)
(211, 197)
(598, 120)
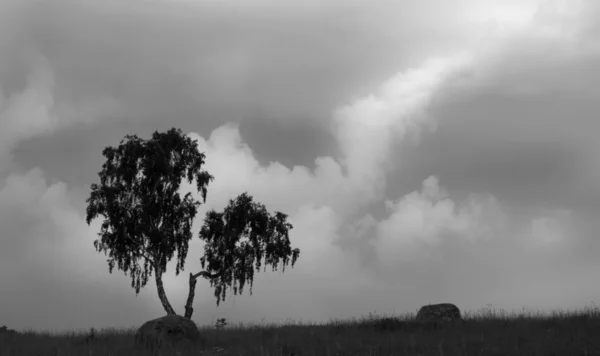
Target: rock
(171, 331)
(439, 312)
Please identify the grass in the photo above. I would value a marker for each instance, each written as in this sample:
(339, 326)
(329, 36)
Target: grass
(487, 332)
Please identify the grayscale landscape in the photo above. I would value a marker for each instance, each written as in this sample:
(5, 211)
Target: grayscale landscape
(332, 177)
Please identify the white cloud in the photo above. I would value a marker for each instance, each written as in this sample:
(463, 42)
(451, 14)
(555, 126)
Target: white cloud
(34, 111)
(502, 16)
(314, 230)
(48, 221)
(27, 113)
(235, 168)
(551, 229)
(548, 54)
(422, 220)
(367, 128)
(366, 131)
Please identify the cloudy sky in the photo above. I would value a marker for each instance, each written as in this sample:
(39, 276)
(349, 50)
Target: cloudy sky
(426, 151)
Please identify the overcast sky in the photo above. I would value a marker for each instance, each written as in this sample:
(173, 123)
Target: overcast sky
(426, 151)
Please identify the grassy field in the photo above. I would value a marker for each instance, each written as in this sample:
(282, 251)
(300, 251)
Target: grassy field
(487, 332)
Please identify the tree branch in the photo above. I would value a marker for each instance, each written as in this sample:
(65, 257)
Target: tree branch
(143, 251)
(189, 310)
(206, 275)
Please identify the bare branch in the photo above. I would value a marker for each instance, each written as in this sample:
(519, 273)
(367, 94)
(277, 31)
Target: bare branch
(206, 275)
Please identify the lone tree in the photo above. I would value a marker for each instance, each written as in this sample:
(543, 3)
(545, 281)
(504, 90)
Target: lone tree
(146, 220)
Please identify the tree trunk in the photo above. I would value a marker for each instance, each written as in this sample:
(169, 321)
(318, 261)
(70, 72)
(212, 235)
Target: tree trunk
(192, 292)
(161, 292)
(190, 300)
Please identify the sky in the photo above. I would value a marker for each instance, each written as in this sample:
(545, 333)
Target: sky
(425, 152)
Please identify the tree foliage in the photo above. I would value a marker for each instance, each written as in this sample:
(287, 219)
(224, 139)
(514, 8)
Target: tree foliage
(145, 218)
(238, 239)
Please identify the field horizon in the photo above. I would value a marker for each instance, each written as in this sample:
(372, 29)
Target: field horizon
(484, 332)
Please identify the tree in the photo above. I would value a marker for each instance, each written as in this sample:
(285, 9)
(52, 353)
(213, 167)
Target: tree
(146, 221)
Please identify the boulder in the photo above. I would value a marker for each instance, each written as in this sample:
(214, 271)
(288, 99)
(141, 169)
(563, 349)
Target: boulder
(439, 312)
(171, 331)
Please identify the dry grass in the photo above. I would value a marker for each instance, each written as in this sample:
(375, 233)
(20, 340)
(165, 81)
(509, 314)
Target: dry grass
(487, 332)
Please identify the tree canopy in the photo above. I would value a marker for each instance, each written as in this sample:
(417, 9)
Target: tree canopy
(146, 221)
